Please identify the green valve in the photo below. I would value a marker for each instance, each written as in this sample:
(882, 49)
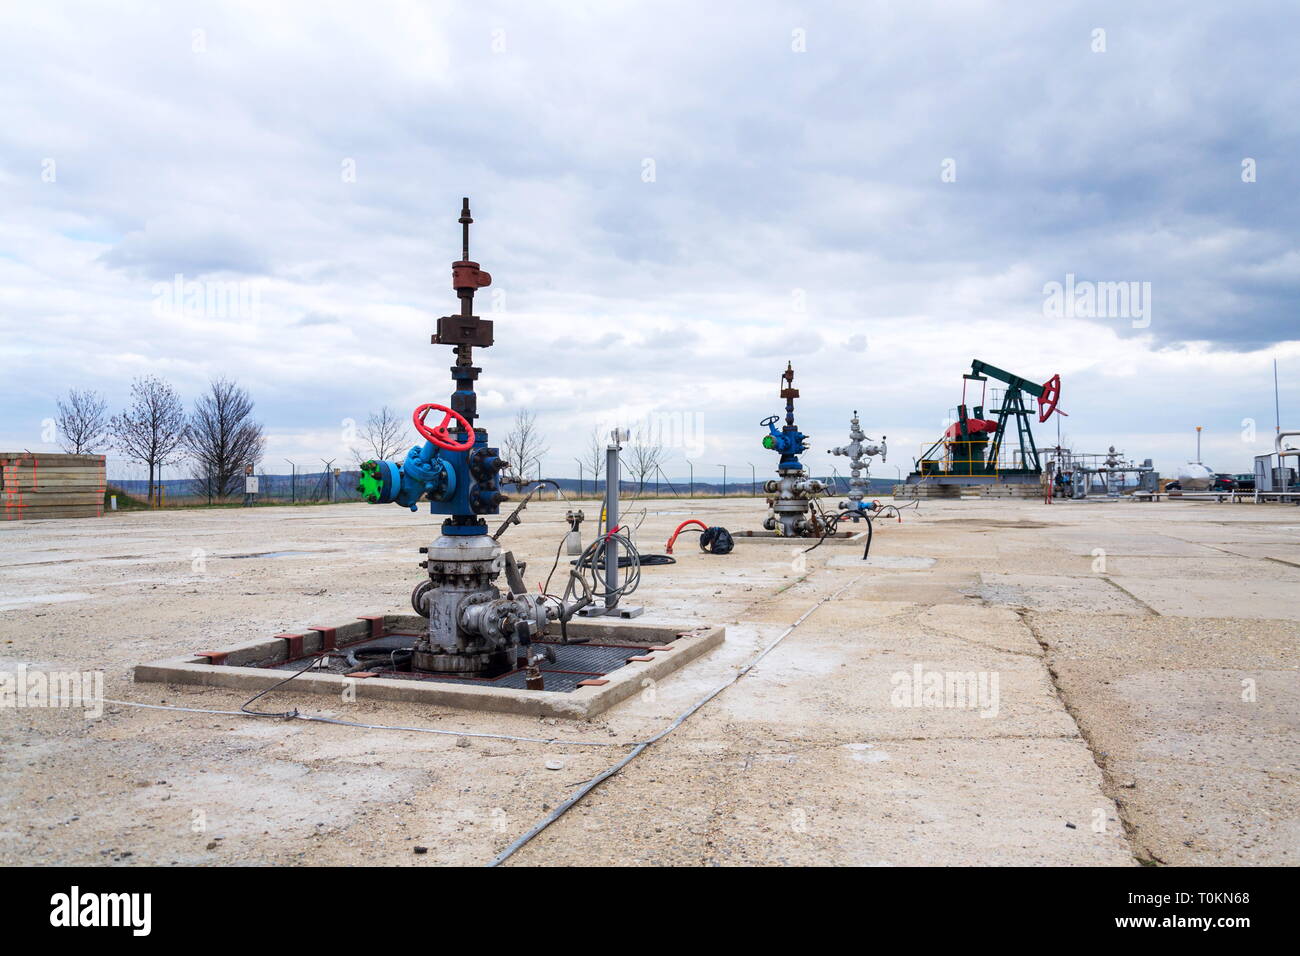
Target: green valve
(768, 442)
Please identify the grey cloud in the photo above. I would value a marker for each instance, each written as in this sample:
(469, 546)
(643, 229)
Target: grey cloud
(776, 171)
(784, 343)
(318, 318)
(167, 246)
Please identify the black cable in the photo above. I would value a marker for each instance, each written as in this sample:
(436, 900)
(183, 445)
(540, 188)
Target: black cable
(288, 714)
(828, 525)
(645, 561)
(681, 718)
(547, 587)
(513, 517)
(644, 512)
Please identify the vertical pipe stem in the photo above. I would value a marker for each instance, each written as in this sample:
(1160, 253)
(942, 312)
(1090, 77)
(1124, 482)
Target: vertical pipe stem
(611, 522)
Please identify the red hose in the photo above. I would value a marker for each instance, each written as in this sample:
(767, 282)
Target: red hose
(669, 547)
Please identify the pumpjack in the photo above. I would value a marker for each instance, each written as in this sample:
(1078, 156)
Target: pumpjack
(974, 446)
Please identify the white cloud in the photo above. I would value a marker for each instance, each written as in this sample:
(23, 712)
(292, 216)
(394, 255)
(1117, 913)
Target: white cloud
(775, 171)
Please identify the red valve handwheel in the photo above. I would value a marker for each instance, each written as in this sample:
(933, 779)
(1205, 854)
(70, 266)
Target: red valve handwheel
(439, 435)
(1047, 401)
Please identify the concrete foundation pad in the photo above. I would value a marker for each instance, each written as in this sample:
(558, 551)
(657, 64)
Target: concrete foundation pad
(765, 802)
(249, 666)
(1092, 593)
(1252, 598)
(807, 758)
(1198, 721)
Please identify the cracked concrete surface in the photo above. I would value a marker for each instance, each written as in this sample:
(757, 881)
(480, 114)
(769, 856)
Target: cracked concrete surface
(843, 746)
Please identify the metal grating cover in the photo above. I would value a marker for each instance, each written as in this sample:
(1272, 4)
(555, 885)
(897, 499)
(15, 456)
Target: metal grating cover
(573, 663)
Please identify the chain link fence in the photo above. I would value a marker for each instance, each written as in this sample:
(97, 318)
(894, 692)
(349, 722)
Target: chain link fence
(319, 487)
(328, 486)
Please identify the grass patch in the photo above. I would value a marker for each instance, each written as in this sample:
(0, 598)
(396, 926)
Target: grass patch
(125, 502)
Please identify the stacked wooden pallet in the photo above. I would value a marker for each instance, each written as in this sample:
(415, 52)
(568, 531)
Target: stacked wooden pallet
(37, 485)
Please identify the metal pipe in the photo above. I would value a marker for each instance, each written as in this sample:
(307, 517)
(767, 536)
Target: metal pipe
(1277, 405)
(1283, 452)
(611, 522)
(1277, 445)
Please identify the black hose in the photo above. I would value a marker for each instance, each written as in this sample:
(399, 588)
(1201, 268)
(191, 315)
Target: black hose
(828, 524)
(398, 657)
(626, 561)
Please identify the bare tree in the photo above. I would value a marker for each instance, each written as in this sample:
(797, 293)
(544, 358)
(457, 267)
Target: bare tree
(645, 453)
(594, 456)
(82, 421)
(383, 436)
(152, 430)
(222, 438)
(523, 448)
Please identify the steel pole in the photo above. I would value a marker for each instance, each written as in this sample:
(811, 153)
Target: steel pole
(611, 522)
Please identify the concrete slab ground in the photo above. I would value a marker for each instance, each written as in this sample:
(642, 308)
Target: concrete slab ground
(1086, 683)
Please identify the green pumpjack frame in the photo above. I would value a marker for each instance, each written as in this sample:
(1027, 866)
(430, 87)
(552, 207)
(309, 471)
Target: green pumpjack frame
(978, 463)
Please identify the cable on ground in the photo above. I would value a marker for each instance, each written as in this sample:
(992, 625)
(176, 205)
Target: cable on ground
(600, 778)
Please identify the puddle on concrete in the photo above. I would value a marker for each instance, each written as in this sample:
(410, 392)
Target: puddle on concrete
(990, 523)
(81, 558)
(279, 554)
(8, 604)
(866, 753)
(885, 562)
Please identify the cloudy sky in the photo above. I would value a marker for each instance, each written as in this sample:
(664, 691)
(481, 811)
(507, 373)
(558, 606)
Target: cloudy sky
(673, 200)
